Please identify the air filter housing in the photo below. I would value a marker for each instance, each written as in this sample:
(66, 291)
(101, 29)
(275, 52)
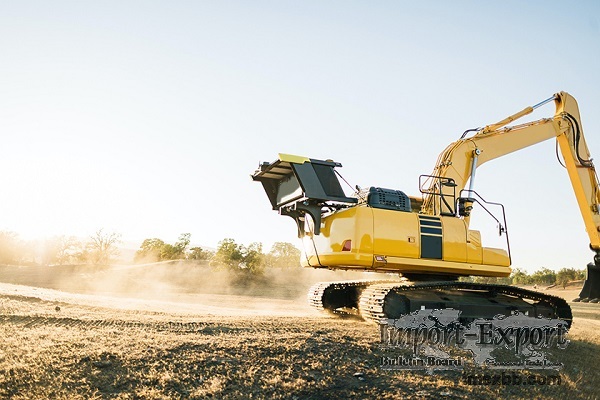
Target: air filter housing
(388, 199)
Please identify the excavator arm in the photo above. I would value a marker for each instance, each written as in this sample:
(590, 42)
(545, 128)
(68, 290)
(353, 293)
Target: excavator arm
(458, 164)
(459, 161)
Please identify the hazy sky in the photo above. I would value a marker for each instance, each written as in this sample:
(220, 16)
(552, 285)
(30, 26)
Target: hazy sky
(147, 117)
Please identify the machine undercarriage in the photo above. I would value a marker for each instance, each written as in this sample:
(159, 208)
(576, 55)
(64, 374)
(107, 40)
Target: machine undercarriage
(376, 300)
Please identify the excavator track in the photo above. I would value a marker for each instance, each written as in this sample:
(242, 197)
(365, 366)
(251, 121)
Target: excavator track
(475, 300)
(340, 298)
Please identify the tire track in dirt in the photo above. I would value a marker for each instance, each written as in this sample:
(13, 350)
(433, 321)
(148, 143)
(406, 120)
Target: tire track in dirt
(27, 321)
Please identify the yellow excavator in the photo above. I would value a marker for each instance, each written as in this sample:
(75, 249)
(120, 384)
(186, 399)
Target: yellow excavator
(426, 239)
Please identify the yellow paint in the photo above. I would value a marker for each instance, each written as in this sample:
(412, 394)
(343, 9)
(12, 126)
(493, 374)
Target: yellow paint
(455, 243)
(474, 249)
(391, 232)
(395, 237)
(290, 158)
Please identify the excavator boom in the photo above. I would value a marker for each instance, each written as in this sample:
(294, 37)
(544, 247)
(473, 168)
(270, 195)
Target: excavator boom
(460, 159)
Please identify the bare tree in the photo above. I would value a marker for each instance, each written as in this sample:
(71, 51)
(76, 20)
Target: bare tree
(61, 250)
(102, 247)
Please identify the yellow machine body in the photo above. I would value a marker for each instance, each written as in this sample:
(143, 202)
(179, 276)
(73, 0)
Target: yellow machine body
(374, 239)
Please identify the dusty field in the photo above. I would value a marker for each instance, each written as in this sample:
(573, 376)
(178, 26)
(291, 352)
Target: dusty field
(103, 336)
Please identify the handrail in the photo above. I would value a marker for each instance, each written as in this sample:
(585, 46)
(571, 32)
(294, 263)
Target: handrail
(502, 228)
(441, 182)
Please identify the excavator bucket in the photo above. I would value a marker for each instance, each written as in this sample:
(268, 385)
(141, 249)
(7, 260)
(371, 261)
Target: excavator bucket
(298, 185)
(591, 287)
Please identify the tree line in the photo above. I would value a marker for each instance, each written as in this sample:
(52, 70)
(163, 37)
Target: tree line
(541, 277)
(547, 277)
(102, 248)
(249, 259)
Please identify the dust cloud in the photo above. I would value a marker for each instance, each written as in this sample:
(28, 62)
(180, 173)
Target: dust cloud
(177, 287)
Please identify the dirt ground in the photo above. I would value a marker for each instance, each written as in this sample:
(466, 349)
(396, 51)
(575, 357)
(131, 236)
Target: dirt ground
(173, 331)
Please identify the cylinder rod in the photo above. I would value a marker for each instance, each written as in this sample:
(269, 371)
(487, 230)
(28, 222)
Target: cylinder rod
(476, 153)
(548, 100)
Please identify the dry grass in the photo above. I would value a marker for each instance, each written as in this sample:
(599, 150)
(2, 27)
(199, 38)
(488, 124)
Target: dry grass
(85, 351)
